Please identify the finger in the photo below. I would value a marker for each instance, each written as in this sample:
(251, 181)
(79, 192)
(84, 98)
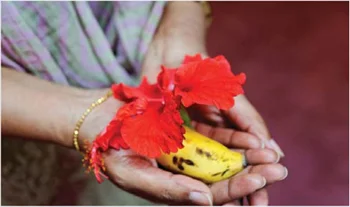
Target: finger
(259, 198)
(229, 137)
(137, 175)
(271, 143)
(238, 202)
(206, 114)
(271, 172)
(236, 187)
(258, 156)
(261, 156)
(205, 129)
(246, 117)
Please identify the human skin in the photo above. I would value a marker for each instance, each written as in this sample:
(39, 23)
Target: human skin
(37, 109)
(182, 31)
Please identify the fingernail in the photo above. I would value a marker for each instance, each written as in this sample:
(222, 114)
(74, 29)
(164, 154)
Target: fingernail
(201, 198)
(264, 182)
(259, 180)
(245, 162)
(262, 145)
(278, 157)
(285, 173)
(272, 143)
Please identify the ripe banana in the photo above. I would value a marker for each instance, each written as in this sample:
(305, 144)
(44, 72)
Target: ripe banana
(203, 158)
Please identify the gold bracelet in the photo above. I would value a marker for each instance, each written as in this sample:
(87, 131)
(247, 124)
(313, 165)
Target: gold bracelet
(83, 117)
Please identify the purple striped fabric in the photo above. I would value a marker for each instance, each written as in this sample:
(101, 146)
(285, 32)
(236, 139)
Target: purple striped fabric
(85, 44)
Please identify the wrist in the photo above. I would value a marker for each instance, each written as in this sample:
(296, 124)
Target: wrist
(181, 32)
(170, 52)
(95, 121)
(174, 49)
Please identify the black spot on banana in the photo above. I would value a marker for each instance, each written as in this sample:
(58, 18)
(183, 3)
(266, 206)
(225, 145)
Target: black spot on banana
(203, 158)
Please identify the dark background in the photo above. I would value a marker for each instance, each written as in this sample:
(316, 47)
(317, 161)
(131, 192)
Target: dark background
(296, 57)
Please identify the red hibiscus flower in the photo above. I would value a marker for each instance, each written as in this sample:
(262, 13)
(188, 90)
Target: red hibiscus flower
(150, 123)
(204, 81)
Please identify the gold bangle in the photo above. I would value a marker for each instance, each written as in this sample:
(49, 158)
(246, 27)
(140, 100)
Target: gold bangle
(83, 117)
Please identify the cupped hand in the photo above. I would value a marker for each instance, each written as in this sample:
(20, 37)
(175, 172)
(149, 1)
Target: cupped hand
(242, 117)
(245, 123)
(262, 162)
(142, 177)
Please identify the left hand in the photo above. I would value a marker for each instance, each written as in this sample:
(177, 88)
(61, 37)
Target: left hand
(243, 117)
(261, 161)
(245, 122)
(181, 32)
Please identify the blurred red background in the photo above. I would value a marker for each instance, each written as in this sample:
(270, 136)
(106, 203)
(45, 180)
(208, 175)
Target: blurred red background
(296, 57)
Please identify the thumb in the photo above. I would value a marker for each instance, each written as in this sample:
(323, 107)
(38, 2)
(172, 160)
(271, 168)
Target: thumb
(138, 175)
(247, 118)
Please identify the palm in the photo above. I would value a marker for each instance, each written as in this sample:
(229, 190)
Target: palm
(141, 176)
(244, 121)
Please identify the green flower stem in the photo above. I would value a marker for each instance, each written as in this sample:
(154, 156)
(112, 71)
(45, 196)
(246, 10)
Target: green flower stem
(185, 117)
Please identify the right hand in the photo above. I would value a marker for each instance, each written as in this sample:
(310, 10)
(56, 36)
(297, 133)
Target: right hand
(141, 176)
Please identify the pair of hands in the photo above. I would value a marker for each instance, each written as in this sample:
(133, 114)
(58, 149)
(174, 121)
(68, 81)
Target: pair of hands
(142, 177)
(182, 32)
(132, 172)
(240, 128)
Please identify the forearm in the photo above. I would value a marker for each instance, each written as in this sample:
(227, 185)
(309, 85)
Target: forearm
(37, 109)
(183, 27)
(181, 31)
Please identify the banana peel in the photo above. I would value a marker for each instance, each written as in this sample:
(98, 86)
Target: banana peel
(203, 158)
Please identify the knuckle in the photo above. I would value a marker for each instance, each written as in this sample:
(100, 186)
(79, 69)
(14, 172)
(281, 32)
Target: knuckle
(238, 186)
(166, 195)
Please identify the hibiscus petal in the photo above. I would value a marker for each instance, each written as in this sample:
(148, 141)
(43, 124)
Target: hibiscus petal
(118, 142)
(195, 58)
(131, 109)
(93, 158)
(103, 139)
(224, 64)
(208, 82)
(159, 129)
(144, 90)
(166, 78)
